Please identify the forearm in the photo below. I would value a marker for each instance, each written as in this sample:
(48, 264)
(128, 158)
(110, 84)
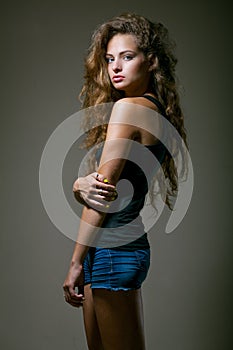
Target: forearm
(90, 223)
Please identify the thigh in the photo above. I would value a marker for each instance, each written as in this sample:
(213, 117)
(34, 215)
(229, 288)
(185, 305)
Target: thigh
(120, 319)
(90, 322)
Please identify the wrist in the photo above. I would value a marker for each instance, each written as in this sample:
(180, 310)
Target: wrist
(76, 264)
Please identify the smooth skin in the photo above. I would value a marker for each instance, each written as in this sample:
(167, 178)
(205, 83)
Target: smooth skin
(93, 190)
(113, 319)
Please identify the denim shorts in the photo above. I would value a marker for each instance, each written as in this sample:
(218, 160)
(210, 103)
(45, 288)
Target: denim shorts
(116, 269)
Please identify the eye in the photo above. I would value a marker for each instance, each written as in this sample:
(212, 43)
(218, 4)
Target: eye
(109, 59)
(128, 57)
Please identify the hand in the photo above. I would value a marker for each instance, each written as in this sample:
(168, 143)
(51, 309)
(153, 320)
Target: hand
(94, 190)
(75, 278)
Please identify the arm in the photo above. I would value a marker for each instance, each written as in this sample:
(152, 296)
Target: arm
(118, 141)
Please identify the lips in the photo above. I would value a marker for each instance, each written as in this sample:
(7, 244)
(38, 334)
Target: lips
(117, 78)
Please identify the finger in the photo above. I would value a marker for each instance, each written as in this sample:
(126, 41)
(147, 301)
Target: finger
(77, 298)
(69, 290)
(108, 196)
(111, 195)
(74, 302)
(104, 187)
(74, 298)
(102, 192)
(103, 180)
(97, 199)
(99, 177)
(110, 199)
(99, 204)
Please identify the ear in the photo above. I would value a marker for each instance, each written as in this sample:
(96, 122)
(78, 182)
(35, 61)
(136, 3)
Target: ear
(153, 63)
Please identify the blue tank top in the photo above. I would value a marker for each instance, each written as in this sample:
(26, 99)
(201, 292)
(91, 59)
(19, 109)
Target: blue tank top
(133, 196)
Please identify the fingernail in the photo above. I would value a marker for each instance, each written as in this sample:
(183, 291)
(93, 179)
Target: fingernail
(106, 181)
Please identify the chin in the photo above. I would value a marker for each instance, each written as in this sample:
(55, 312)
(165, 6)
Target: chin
(119, 89)
(119, 86)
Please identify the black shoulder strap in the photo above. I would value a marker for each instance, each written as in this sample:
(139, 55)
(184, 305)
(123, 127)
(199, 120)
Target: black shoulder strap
(157, 103)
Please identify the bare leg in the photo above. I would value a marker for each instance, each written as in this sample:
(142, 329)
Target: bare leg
(90, 321)
(120, 319)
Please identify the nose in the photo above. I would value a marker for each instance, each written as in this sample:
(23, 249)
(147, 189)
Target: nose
(116, 67)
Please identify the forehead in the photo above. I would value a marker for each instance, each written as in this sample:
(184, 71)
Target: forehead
(122, 42)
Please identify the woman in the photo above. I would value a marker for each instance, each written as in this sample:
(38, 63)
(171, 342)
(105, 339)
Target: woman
(131, 63)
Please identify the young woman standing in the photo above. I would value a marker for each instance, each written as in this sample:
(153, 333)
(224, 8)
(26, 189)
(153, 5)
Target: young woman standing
(130, 63)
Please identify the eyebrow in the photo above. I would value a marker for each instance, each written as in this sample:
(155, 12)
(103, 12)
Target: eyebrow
(121, 53)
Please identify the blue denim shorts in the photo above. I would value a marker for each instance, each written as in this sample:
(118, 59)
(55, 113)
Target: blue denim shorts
(116, 269)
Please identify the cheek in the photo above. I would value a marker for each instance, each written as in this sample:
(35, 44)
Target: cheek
(139, 68)
(138, 72)
(134, 69)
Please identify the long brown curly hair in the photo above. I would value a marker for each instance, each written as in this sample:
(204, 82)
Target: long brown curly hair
(154, 41)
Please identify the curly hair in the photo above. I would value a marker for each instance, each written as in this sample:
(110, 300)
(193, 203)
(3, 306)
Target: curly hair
(154, 41)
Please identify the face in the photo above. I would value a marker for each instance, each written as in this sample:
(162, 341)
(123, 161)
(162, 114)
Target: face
(128, 68)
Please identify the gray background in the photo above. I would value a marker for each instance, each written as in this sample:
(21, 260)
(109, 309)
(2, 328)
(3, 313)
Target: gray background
(187, 295)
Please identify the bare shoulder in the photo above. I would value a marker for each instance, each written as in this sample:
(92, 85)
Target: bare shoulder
(129, 111)
(140, 100)
(125, 108)
(129, 100)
